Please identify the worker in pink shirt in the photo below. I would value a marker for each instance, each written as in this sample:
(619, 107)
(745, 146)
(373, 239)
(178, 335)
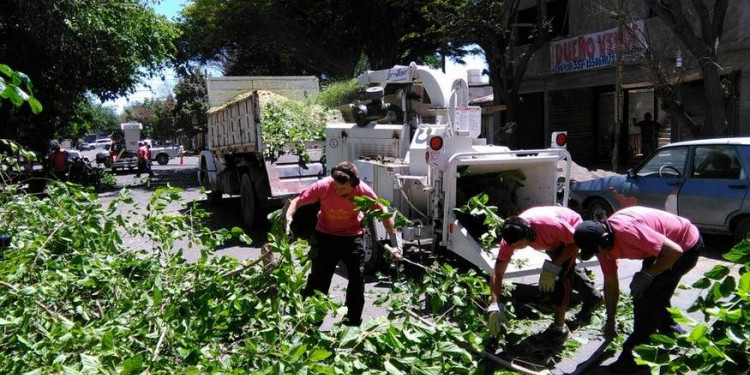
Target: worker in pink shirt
(338, 235)
(669, 246)
(548, 229)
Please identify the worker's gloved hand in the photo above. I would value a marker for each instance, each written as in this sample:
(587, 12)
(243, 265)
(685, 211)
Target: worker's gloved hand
(641, 281)
(548, 276)
(288, 225)
(497, 318)
(396, 246)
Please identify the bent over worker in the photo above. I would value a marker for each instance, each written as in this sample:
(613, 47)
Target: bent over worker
(669, 246)
(338, 235)
(548, 229)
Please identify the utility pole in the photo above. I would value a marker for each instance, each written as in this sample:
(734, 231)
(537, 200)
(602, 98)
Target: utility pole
(618, 87)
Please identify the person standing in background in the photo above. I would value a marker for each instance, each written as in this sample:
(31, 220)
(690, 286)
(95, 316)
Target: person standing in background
(649, 134)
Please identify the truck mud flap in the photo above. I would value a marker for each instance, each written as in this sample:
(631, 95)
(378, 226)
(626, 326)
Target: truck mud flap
(289, 174)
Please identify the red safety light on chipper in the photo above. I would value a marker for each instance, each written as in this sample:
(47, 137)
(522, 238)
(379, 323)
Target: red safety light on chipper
(436, 143)
(560, 139)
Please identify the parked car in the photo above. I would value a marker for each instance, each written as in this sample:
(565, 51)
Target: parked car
(705, 181)
(75, 154)
(104, 144)
(162, 153)
(86, 146)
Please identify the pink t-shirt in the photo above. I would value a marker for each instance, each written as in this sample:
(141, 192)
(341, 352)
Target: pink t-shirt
(337, 215)
(640, 232)
(554, 227)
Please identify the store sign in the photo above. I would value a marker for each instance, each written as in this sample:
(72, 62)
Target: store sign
(595, 50)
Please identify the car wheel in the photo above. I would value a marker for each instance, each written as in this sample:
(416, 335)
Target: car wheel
(162, 159)
(742, 230)
(247, 200)
(595, 206)
(92, 147)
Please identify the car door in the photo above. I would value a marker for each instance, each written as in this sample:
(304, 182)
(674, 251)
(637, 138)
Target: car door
(657, 182)
(715, 188)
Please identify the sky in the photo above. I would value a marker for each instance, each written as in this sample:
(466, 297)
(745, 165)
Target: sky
(157, 87)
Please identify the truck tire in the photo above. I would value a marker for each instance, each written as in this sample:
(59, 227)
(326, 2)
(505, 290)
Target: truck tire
(373, 249)
(162, 159)
(214, 196)
(247, 200)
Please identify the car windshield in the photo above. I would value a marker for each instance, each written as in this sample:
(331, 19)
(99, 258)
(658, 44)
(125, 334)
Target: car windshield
(669, 161)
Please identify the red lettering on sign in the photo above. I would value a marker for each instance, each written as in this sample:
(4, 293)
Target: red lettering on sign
(558, 54)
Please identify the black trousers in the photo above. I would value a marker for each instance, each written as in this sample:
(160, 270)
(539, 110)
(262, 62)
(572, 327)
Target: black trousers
(573, 278)
(650, 311)
(326, 252)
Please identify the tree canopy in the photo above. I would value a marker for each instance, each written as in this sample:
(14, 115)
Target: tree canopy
(71, 47)
(284, 37)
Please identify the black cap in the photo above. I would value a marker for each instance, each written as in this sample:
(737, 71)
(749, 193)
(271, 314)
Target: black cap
(588, 236)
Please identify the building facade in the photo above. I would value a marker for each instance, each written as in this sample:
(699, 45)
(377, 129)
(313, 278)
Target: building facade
(570, 83)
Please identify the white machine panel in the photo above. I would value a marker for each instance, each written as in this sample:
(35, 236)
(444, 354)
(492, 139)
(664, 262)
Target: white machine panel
(349, 142)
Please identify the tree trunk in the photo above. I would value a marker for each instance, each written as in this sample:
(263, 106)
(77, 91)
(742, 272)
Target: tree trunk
(716, 117)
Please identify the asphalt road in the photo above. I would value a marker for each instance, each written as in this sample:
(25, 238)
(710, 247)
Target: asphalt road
(226, 214)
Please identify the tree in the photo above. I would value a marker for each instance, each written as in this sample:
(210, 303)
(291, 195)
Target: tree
(191, 104)
(285, 37)
(89, 116)
(71, 47)
(156, 117)
(703, 43)
(491, 25)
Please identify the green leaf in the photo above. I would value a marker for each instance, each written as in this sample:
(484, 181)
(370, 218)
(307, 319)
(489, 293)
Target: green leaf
(667, 341)
(728, 286)
(108, 341)
(67, 370)
(717, 272)
(732, 316)
(736, 334)
(132, 365)
(698, 332)
(714, 351)
(319, 354)
(740, 253)
(90, 364)
(5, 69)
(702, 283)
(391, 369)
(744, 287)
(36, 106)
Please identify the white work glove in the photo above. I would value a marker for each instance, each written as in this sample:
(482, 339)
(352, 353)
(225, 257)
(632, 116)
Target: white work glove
(497, 318)
(288, 226)
(548, 276)
(641, 281)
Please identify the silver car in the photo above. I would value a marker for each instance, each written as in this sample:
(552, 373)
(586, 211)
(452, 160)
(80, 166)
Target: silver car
(705, 181)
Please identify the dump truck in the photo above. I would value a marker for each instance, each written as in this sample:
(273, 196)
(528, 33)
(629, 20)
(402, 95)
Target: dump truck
(235, 162)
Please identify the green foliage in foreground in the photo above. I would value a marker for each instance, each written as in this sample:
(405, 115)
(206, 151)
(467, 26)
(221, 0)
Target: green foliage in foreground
(17, 88)
(77, 300)
(721, 343)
